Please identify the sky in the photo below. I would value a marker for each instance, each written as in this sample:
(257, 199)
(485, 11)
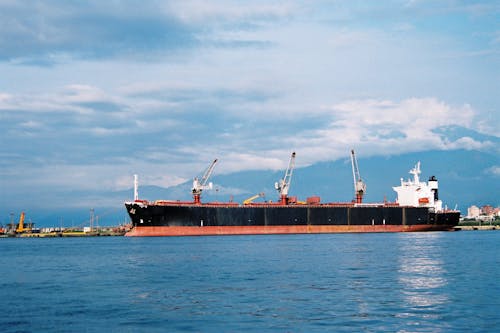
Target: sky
(92, 92)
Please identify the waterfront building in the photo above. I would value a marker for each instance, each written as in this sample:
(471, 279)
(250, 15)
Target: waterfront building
(473, 212)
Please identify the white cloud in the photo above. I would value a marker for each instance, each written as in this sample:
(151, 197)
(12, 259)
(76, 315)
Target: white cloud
(331, 78)
(377, 127)
(4, 98)
(30, 124)
(126, 181)
(196, 11)
(236, 161)
(372, 126)
(494, 170)
(102, 131)
(412, 115)
(40, 103)
(79, 93)
(468, 144)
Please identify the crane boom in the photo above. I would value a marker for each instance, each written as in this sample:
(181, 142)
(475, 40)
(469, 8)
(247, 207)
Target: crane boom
(200, 185)
(208, 173)
(359, 184)
(284, 184)
(252, 198)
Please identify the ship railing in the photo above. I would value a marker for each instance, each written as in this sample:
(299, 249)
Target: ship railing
(221, 204)
(139, 202)
(192, 203)
(173, 203)
(369, 204)
(338, 204)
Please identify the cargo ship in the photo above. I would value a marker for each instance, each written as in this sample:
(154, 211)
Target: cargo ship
(417, 208)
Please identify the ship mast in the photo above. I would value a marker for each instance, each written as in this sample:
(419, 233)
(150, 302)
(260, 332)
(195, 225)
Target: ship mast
(359, 184)
(136, 187)
(284, 184)
(415, 172)
(200, 185)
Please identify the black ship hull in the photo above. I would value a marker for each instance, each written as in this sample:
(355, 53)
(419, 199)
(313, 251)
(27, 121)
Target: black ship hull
(220, 219)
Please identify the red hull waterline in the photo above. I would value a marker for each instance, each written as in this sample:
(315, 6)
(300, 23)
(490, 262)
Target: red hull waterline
(149, 231)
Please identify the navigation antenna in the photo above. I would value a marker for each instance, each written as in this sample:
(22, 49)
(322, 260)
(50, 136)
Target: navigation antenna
(359, 184)
(284, 184)
(200, 185)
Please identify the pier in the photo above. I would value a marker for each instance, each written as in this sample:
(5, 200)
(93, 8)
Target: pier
(69, 232)
(476, 227)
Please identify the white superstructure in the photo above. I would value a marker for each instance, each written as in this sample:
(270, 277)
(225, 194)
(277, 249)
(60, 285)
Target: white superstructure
(419, 194)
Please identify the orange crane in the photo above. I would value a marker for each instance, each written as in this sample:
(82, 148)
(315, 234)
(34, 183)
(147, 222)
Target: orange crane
(20, 227)
(252, 198)
(359, 184)
(284, 184)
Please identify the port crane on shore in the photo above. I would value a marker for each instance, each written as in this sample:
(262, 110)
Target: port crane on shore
(21, 227)
(284, 184)
(359, 184)
(201, 184)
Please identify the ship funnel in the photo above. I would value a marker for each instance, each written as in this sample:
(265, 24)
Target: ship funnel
(433, 185)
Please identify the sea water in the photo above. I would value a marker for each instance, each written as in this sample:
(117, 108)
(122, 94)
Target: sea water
(401, 282)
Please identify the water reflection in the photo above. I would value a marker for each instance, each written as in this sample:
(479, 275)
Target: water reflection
(422, 276)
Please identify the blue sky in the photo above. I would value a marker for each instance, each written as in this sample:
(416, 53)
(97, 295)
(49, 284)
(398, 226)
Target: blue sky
(93, 92)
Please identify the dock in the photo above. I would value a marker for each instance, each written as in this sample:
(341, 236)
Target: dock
(70, 232)
(476, 227)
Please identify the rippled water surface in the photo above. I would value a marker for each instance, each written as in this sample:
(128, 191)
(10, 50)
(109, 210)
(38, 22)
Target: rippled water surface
(403, 282)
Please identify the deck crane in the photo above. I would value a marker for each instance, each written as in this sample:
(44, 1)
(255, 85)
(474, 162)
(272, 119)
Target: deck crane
(359, 184)
(201, 184)
(284, 184)
(252, 198)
